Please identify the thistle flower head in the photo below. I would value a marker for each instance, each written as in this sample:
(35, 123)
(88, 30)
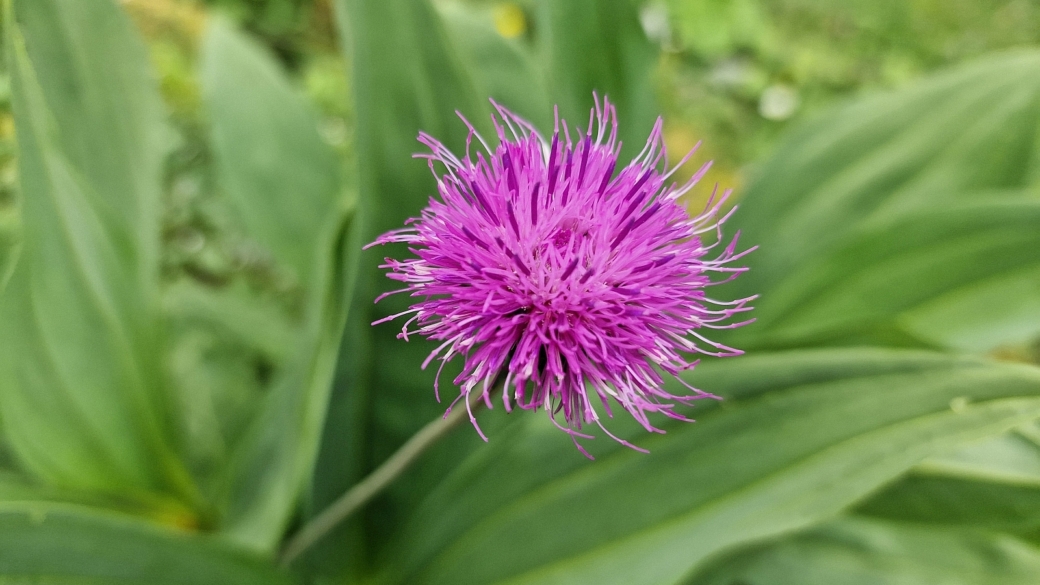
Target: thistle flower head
(573, 283)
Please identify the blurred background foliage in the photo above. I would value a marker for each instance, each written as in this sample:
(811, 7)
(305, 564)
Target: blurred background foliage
(887, 152)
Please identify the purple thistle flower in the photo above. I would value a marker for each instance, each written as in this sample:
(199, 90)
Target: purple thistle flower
(568, 283)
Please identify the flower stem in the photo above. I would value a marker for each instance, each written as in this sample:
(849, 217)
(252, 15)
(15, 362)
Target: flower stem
(359, 495)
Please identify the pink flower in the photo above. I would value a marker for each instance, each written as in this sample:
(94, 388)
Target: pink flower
(573, 286)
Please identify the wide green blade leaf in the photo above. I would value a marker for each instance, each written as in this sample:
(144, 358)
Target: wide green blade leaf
(286, 184)
(859, 552)
(993, 483)
(599, 45)
(69, 545)
(901, 265)
(406, 78)
(504, 69)
(82, 395)
(9, 238)
(939, 141)
(984, 314)
(275, 460)
(282, 178)
(801, 436)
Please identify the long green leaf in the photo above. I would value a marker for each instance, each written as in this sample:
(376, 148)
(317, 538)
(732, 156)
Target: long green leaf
(599, 45)
(944, 140)
(993, 484)
(9, 240)
(504, 69)
(905, 264)
(82, 395)
(282, 178)
(406, 78)
(286, 185)
(858, 552)
(986, 313)
(69, 545)
(801, 436)
(273, 464)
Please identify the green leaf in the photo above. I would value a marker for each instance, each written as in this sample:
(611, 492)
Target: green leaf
(901, 265)
(599, 45)
(234, 313)
(1003, 309)
(407, 77)
(69, 545)
(281, 177)
(504, 69)
(82, 398)
(963, 135)
(9, 240)
(801, 436)
(859, 552)
(286, 185)
(273, 464)
(993, 483)
(14, 487)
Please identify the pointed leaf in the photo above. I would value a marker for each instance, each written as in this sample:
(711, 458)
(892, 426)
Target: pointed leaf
(902, 265)
(69, 545)
(859, 552)
(285, 183)
(282, 178)
(954, 137)
(82, 396)
(599, 45)
(407, 77)
(802, 436)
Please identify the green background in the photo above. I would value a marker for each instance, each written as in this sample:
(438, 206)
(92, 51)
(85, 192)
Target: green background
(188, 374)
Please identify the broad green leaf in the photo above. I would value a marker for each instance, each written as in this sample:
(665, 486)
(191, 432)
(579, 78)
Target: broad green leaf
(801, 436)
(82, 397)
(960, 136)
(962, 501)
(893, 268)
(286, 185)
(407, 77)
(1003, 309)
(859, 552)
(69, 545)
(9, 238)
(504, 69)
(236, 314)
(14, 487)
(599, 45)
(282, 178)
(993, 483)
(276, 459)
(1012, 458)
(108, 118)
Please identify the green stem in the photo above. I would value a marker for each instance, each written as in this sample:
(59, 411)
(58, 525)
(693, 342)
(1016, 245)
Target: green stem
(362, 492)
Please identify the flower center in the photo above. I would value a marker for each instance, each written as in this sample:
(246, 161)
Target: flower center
(569, 229)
